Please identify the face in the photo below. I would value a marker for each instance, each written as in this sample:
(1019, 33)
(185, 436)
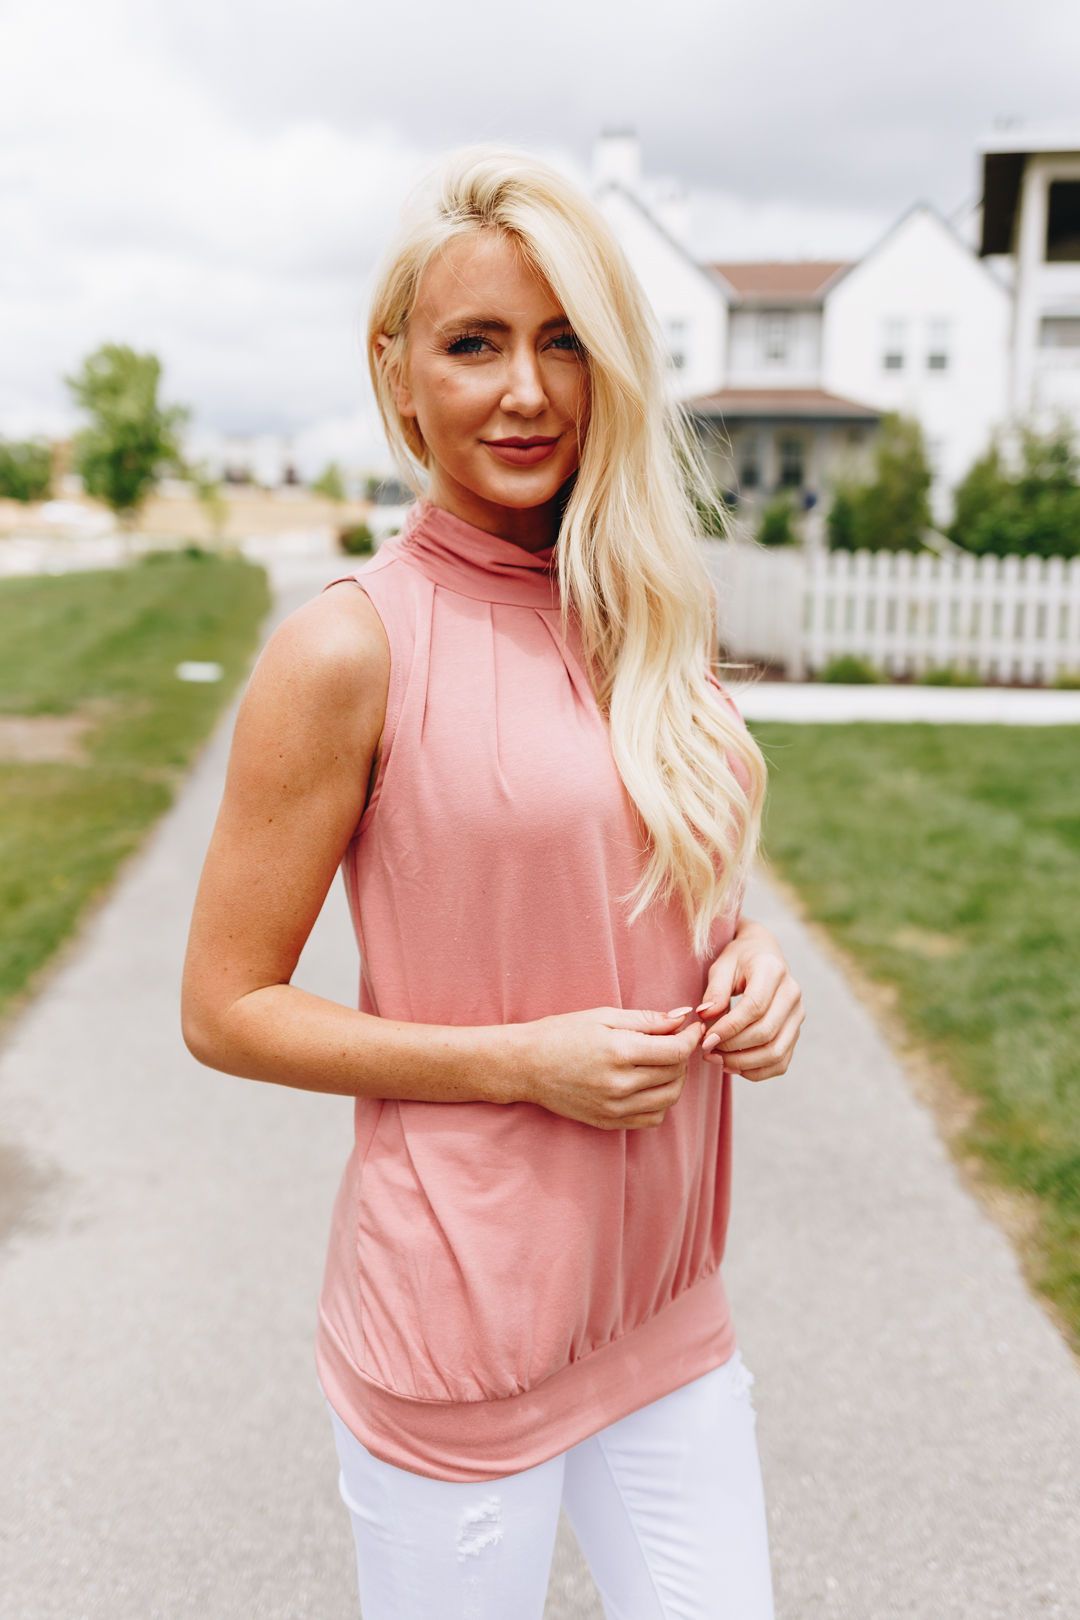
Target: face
(492, 356)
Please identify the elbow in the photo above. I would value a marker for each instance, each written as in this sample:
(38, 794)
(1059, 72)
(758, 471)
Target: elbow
(200, 1035)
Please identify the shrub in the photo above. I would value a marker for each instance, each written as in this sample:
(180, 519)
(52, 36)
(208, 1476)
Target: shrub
(25, 469)
(1036, 509)
(777, 527)
(356, 539)
(892, 512)
(949, 675)
(849, 670)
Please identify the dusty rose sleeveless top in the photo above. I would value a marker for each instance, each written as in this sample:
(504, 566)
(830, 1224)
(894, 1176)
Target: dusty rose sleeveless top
(502, 1282)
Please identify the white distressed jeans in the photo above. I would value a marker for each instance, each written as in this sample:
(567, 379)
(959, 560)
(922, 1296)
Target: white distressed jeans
(667, 1505)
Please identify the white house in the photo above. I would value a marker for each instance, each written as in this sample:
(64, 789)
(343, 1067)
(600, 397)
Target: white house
(789, 365)
(1031, 211)
(920, 325)
(682, 292)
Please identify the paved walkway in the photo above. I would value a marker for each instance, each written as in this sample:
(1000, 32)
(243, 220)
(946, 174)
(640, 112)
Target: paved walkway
(164, 1454)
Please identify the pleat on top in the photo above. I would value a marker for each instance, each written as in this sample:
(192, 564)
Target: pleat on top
(501, 1281)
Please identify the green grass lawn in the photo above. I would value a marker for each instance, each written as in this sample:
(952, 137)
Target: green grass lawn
(105, 644)
(946, 860)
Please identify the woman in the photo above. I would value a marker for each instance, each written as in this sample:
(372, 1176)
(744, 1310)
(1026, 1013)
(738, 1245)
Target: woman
(545, 806)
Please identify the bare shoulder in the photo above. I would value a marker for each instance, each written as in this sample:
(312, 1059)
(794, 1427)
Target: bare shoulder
(320, 681)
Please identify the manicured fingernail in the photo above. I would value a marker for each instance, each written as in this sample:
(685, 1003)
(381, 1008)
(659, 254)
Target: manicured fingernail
(706, 1006)
(678, 1012)
(710, 1043)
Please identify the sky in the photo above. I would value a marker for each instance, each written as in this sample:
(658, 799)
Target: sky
(214, 182)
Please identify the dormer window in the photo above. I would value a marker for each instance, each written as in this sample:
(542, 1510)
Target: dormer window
(774, 335)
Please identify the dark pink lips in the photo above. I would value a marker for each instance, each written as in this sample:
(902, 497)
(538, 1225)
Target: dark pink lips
(522, 452)
(520, 444)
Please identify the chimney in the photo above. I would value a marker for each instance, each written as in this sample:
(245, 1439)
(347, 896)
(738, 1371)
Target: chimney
(617, 156)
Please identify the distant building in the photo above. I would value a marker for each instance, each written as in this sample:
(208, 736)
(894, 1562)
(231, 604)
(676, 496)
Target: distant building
(265, 459)
(789, 365)
(1031, 212)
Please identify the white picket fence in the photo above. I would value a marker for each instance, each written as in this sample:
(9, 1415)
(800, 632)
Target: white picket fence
(1000, 618)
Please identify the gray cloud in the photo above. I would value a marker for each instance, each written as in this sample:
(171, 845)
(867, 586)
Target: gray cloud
(215, 182)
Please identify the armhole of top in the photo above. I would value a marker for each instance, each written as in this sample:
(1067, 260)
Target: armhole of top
(393, 706)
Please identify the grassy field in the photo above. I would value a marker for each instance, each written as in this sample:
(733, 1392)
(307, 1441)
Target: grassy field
(945, 862)
(96, 728)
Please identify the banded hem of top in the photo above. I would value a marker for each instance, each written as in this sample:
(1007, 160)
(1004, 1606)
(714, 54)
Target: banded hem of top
(480, 1440)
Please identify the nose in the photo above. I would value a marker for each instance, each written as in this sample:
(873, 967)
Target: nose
(525, 394)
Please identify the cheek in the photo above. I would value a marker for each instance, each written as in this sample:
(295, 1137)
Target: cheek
(575, 396)
(452, 402)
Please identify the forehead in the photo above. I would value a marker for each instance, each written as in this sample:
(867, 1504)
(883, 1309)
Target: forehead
(483, 273)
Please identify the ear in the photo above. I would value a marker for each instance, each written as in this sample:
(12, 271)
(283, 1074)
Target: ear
(399, 385)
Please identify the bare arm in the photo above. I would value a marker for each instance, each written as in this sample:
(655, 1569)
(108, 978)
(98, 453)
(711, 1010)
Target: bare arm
(298, 775)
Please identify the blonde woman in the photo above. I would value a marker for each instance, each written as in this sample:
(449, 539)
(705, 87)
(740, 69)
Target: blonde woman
(505, 729)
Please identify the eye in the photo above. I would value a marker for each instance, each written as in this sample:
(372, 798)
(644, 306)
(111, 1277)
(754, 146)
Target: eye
(572, 339)
(466, 337)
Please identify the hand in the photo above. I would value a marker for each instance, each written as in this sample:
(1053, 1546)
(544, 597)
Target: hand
(614, 1068)
(756, 1035)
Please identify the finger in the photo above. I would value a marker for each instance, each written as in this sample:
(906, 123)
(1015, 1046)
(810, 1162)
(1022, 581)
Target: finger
(763, 1029)
(644, 1018)
(775, 1055)
(661, 1093)
(644, 1051)
(718, 991)
(766, 974)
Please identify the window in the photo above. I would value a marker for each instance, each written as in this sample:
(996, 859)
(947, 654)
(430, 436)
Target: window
(1059, 332)
(791, 462)
(676, 333)
(1063, 222)
(774, 334)
(937, 344)
(750, 462)
(892, 353)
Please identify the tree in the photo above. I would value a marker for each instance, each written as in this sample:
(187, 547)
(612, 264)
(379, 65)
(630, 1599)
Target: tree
(131, 438)
(330, 482)
(1035, 509)
(892, 511)
(777, 526)
(840, 524)
(25, 469)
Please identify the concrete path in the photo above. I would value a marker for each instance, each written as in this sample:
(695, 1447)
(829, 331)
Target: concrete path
(164, 1451)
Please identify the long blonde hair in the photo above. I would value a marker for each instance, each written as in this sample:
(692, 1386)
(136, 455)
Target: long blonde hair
(630, 563)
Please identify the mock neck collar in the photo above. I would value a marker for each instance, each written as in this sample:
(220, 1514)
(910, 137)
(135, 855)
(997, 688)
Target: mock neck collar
(473, 562)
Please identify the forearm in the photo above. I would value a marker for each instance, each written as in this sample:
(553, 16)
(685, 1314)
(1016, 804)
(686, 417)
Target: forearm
(289, 1037)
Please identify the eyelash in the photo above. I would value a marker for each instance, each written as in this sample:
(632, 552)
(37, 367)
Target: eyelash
(465, 337)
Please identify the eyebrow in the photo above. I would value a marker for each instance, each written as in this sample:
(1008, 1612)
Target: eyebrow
(486, 323)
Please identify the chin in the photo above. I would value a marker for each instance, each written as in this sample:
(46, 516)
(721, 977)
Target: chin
(520, 492)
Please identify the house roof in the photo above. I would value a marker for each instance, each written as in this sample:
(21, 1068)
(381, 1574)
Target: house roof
(643, 208)
(756, 281)
(774, 404)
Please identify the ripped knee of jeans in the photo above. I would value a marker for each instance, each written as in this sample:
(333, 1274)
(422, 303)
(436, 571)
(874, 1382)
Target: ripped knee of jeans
(480, 1527)
(742, 1379)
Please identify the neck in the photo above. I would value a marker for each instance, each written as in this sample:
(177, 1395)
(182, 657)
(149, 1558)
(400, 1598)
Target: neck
(531, 527)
